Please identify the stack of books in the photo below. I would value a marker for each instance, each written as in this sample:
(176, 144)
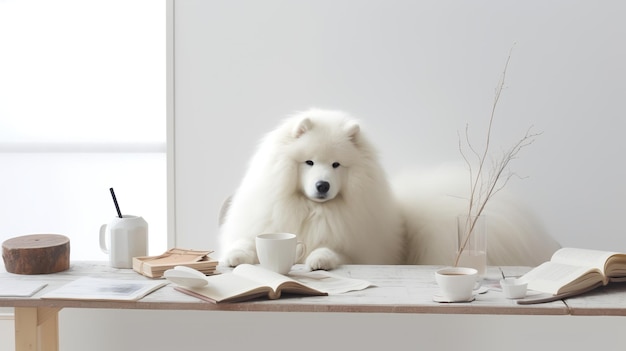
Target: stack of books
(155, 266)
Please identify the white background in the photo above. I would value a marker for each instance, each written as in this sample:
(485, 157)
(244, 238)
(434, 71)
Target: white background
(415, 73)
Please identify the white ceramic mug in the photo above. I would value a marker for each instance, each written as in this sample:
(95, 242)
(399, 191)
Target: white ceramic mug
(456, 283)
(279, 251)
(128, 238)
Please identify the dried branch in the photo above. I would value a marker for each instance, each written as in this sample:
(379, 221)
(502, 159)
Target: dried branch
(484, 187)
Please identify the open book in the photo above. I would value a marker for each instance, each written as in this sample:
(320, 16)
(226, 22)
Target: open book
(573, 271)
(247, 282)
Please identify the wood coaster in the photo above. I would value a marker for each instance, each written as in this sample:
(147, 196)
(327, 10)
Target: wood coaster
(36, 254)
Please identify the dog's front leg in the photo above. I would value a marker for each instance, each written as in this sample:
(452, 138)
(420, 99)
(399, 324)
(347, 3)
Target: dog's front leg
(242, 251)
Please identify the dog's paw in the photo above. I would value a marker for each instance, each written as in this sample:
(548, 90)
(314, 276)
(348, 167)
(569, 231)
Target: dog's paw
(239, 256)
(322, 258)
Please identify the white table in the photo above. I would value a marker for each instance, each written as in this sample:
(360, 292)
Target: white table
(399, 289)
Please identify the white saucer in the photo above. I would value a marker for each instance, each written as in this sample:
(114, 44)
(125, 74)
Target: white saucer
(439, 298)
(481, 290)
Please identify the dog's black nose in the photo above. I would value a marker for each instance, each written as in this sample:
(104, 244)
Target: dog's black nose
(322, 186)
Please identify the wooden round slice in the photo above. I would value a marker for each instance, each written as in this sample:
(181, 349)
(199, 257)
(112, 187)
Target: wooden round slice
(36, 254)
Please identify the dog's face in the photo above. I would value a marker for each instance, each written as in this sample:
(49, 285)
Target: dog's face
(324, 151)
(320, 180)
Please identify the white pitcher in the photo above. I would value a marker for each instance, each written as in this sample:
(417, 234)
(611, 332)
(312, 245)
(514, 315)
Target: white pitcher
(128, 238)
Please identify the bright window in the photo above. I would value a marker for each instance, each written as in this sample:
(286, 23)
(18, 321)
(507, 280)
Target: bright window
(82, 109)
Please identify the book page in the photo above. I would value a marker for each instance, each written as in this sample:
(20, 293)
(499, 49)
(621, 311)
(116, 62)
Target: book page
(582, 257)
(229, 287)
(321, 281)
(556, 278)
(261, 275)
(615, 267)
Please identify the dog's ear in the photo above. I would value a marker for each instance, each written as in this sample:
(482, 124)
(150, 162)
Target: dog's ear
(352, 129)
(302, 127)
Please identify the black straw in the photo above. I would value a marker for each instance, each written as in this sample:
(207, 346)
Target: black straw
(117, 207)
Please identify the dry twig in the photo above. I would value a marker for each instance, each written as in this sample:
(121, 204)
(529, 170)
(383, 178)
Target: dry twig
(484, 186)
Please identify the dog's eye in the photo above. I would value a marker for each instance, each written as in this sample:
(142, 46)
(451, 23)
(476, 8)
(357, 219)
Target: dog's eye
(336, 164)
(309, 162)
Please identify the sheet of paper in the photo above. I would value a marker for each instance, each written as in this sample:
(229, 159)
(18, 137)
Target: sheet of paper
(20, 288)
(328, 282)
(88, 288)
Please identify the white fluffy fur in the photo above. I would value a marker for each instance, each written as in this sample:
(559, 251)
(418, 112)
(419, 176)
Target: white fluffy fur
(355, 221)
(431, 200)
(360, 219)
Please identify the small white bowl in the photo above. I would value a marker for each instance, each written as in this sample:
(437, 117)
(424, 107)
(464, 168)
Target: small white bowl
(513, 288)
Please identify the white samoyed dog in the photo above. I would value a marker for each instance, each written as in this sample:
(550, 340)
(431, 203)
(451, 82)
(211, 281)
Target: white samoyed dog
(316, 176)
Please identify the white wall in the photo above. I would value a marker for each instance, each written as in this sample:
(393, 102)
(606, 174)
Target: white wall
(415, 72)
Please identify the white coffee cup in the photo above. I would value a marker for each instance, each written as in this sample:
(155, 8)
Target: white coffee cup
(279, 251)
(128, 238)
(456, 283)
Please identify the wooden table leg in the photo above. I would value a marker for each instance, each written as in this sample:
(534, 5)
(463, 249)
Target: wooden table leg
(48, 323)
(37, 329)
